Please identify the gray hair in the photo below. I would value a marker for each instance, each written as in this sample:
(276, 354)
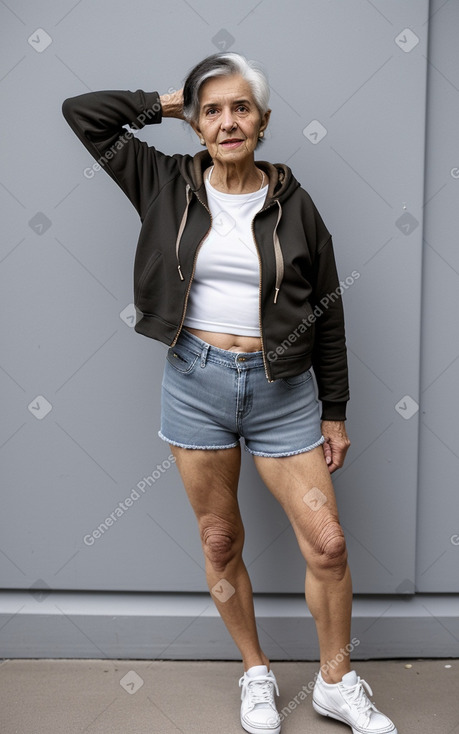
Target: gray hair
(224, 64)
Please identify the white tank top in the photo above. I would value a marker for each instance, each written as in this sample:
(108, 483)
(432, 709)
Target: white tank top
(224, 295)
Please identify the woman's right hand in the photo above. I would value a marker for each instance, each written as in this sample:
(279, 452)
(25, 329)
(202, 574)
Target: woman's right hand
(172, 104)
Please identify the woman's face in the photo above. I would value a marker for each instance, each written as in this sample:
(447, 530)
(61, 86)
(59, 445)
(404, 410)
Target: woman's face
(229, 120)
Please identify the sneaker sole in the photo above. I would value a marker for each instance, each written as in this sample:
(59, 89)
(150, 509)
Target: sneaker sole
(259, 729)
(325, 712)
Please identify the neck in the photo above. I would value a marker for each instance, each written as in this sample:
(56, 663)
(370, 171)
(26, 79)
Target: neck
(233, 179)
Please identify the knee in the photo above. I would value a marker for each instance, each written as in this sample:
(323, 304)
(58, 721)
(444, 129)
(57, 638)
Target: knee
(221, 541)
(329, 546)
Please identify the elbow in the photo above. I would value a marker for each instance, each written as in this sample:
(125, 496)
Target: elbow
(67, 108)
(72, 107)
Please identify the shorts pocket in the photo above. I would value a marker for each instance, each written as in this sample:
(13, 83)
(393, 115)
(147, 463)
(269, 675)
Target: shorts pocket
(297, 380)
(182, 359)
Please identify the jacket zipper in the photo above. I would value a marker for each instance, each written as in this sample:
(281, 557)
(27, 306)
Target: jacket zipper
(259, 306)
(259, 288)
(260, 293)
(192, 274)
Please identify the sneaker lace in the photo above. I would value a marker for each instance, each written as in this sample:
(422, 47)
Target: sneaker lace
(356, 696)
(260, 690)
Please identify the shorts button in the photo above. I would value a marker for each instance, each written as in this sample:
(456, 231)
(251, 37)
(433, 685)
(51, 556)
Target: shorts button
(242, 359)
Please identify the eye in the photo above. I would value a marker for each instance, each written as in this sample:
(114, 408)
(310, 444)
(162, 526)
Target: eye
(211, 111)
(242, 108)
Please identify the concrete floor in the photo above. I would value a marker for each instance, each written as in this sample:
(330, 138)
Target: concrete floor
(170, 697)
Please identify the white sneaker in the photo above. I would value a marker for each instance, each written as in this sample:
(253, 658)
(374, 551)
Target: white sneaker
(258, 710)
(347, 701)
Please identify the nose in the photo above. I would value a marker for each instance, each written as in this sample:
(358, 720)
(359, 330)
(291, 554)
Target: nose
(228, 122)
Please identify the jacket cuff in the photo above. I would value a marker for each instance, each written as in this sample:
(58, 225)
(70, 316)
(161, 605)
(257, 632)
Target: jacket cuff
(333, 411)
(152, 110)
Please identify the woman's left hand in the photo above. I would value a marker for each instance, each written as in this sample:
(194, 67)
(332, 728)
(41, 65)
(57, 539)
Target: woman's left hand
(336, 444)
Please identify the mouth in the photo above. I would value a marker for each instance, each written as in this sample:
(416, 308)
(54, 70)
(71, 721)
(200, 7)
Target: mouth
(231, 143)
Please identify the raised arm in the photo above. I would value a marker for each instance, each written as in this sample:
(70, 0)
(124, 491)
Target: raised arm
(98, 119)
(172, 104)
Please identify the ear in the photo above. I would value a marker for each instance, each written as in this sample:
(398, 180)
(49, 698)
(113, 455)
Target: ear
(264, 121)
(198, 133)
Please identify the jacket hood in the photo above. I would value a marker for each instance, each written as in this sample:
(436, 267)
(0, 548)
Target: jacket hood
(281, 186)
(282, 182)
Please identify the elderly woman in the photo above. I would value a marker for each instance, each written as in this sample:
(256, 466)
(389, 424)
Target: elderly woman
(235, 272)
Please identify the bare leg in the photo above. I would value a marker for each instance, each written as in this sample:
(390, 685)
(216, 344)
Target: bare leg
(314, 518)
(211, 479)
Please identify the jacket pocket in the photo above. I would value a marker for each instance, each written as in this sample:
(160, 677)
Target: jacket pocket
(141, 288)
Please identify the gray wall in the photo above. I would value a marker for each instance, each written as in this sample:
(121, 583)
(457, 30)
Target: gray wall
(80, 389)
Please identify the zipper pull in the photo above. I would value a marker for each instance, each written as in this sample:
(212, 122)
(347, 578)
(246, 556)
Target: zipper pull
(276, 294)
(180, 272)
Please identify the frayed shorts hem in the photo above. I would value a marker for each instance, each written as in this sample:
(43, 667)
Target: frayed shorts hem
(188, 446)
(286, 453)
(250, 451)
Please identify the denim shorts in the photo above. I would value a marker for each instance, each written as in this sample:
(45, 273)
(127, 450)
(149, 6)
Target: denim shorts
(212, 397)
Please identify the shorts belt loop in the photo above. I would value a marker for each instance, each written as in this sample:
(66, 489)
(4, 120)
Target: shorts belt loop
(204, 355)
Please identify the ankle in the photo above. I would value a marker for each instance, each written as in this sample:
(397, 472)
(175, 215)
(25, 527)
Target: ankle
(251, 660)
(334, 676)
